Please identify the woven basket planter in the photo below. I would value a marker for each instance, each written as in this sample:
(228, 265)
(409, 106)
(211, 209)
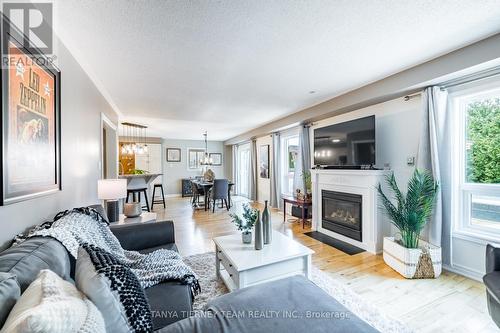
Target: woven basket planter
(421, 263)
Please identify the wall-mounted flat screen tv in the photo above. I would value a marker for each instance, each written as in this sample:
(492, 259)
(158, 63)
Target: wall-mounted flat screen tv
(351, 143)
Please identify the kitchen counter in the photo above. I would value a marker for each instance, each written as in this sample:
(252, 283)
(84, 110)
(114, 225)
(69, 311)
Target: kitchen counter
(139, 181)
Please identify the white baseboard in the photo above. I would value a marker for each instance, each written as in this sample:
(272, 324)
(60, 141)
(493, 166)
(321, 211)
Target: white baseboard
(467, 272)
(176, 195)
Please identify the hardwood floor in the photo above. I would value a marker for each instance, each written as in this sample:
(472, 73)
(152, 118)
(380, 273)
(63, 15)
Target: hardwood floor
(451, 303)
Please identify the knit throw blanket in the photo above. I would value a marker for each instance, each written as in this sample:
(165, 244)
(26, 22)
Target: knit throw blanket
(85, 225)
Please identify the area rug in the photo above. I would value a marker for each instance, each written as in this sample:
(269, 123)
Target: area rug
(211, 287)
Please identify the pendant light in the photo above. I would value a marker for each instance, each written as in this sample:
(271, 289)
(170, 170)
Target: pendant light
(135, 137)
(206, 160)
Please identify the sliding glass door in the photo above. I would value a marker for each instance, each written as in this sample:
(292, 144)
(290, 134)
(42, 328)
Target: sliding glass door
(243, 170)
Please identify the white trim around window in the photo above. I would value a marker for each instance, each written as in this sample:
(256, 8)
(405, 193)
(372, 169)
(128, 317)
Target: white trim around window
(463, 192)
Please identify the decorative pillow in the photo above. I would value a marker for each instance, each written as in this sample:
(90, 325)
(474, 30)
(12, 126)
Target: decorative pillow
(53, 305)
(114, 289)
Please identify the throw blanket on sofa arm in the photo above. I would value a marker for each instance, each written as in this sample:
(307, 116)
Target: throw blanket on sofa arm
(85, 225)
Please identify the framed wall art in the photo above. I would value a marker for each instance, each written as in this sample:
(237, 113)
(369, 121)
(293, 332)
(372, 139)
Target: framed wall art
(195, 155)
(173, 154)
(216, 158)
(31, 124)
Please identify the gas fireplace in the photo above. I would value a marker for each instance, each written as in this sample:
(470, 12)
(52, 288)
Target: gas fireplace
(342, 213)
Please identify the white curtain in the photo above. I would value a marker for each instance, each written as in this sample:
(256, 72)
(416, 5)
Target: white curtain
(276, 172)
(303, 163)
(234, 161)
(252, 181)
(434, 155)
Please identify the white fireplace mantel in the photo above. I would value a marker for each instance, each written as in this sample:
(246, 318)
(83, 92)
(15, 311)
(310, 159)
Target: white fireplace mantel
(361, 182)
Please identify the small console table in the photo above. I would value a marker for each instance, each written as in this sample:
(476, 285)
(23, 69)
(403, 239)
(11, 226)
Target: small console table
(298, 202)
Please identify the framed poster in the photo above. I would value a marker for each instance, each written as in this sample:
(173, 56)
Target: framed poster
(264, 161)
(173, 154)
(31, 124)
(216, 158)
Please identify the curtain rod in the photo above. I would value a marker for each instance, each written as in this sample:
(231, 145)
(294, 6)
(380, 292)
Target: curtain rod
(481, 75)
(408, 97)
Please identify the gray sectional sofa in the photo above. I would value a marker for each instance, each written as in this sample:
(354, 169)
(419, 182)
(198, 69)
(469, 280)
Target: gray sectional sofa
(492, 281)
(279, 306)
(23, 262)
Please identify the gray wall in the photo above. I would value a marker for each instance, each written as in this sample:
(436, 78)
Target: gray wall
(480, 55)
(396, 139)
(173, 172)
(81, 107)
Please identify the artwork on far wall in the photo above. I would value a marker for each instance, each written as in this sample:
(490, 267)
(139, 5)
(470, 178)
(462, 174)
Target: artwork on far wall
(195, 155)
(173, 154)
(264, 161)
(31, 128)
(216, 158)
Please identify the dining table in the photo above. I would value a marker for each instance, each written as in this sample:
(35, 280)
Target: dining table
(207, 185)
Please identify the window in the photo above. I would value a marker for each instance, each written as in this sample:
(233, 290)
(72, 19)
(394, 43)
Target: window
(289, 154)
(477, 152)
(195, 155)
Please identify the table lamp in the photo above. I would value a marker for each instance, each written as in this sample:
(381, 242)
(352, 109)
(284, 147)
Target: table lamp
(111, 190)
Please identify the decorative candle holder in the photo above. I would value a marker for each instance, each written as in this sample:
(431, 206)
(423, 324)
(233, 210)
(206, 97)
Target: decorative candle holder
(133, 209)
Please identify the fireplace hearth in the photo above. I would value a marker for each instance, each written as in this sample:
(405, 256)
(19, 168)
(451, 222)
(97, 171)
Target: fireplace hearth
(342, 213)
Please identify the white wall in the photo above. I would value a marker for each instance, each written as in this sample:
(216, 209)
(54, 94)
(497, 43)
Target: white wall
(173, 172)
(264, 184)
(468, 256)
(81, 107)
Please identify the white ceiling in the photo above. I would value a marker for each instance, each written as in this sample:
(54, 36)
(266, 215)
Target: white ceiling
(228, 66)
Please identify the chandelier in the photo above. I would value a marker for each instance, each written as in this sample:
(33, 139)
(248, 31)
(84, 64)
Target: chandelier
(134, 136)
(206, 160)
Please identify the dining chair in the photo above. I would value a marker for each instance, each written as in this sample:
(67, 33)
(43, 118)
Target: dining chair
(219, 192)
(197, 192)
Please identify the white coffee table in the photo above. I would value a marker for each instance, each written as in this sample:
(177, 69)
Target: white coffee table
(145, 217)
(240, 265)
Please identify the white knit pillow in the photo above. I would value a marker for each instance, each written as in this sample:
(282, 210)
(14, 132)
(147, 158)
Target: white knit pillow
(51, 304)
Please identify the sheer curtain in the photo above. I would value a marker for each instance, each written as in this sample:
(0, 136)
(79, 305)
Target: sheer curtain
(252, 181)
(303, 160)
(234, 161)
(434, 155)
(275, 200)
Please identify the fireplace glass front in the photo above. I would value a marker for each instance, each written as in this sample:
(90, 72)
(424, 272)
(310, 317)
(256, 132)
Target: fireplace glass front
(342, 213)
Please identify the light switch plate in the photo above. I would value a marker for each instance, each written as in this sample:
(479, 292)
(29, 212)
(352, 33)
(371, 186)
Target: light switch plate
(410, 160)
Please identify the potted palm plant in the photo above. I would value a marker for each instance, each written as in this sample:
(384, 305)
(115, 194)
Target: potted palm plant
(410, 256)
(246, 224)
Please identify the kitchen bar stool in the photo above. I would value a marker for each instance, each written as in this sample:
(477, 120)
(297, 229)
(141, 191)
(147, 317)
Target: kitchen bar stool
(158, 201)
(136, 196)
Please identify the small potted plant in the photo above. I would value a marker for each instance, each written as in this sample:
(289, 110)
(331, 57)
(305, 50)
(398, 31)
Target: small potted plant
(411, 257)
(246, 224)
